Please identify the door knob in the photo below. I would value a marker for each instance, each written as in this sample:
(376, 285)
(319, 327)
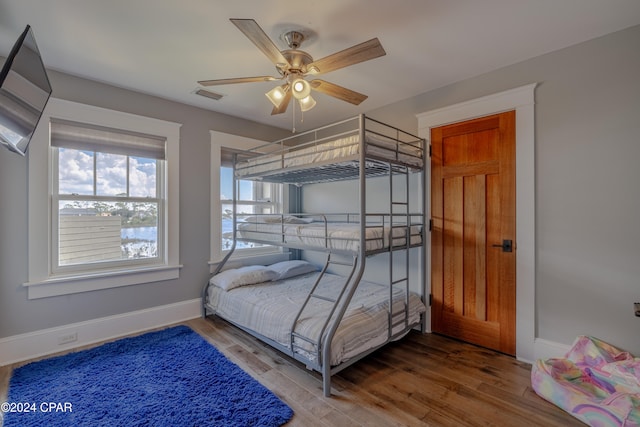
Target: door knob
(507, 246)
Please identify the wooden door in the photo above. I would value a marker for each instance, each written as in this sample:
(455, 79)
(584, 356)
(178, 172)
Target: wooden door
(473, 210)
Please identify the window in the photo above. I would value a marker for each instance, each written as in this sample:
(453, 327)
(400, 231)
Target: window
(254, 198)
(108, 197)
(103, 192)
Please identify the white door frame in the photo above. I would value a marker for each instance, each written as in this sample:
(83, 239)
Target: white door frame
(521, 100)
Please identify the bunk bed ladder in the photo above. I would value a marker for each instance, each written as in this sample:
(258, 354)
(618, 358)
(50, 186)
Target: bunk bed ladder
(401, 317)
(315, 342)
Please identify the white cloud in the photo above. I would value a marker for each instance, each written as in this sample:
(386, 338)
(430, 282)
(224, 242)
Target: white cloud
(76, 174)
(111, 171)
(142, 178)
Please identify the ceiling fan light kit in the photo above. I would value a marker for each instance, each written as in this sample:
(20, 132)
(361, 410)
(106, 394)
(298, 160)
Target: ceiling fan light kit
(277, 94)
(293, 65)
(307, 103)
(301, 88)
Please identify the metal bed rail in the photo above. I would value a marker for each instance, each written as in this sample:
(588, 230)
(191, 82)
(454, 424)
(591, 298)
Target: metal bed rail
(328, 231)
(280, 161)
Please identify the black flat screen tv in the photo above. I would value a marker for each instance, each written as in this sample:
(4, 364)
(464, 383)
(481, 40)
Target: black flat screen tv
(24, 92)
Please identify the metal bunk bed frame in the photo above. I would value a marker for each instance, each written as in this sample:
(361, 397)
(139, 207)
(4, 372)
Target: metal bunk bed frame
(372, 167)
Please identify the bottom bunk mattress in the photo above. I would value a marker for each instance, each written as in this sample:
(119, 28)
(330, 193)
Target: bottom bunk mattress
(270, 308)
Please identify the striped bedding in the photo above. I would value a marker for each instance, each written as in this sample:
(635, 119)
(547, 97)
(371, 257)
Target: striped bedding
(334, 151)
(270, 309)
(341, 236)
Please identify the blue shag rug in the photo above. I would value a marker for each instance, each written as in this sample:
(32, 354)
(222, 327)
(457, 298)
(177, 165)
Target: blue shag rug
(168, 378)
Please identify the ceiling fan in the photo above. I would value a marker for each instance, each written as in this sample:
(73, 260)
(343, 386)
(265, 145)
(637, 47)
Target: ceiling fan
(293, 65)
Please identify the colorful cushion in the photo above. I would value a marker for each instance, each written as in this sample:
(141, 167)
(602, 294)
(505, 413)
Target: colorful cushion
(595, 382)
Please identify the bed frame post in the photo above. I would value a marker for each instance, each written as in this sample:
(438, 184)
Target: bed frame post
(326, 347)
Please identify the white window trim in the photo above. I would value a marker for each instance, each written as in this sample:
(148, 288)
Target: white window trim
(42, 283)
(220, 140)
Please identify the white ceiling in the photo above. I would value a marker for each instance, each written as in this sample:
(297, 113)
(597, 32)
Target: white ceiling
(163, 47)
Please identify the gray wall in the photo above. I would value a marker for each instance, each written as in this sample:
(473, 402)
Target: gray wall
(20, 315)
(587, 181)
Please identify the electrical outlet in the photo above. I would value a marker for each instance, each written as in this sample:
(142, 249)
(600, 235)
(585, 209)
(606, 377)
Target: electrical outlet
(66, 339)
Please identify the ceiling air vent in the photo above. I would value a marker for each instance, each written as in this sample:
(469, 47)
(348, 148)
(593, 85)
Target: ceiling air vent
(208, 94)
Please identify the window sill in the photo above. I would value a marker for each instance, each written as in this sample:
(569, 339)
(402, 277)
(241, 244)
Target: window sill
(64, 285)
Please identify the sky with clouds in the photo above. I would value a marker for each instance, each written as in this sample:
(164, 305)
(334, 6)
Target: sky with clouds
(76, 174)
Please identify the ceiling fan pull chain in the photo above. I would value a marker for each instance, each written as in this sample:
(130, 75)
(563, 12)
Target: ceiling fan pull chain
(294, 118)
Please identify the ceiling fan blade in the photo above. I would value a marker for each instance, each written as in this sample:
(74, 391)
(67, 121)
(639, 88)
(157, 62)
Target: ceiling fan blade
(283, 105)
(353, 55)
(336, 91)
(237, 80)
(252, 30)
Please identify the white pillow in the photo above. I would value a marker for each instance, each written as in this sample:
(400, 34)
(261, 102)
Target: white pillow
(271, 219)
(249, 275)
(286, 269)
(290, 219)
(263, 218)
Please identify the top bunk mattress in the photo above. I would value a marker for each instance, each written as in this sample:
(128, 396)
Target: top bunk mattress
(343, 149)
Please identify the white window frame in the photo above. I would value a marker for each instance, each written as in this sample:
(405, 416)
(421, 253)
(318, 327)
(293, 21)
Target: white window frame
(58, 269)
(275, 202)
(263, 255)
(44, 281)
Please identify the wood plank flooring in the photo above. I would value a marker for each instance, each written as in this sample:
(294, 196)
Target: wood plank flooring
(421, 380)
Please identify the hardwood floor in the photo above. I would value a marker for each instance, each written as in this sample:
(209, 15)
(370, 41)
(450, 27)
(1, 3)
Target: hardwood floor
(421, 380)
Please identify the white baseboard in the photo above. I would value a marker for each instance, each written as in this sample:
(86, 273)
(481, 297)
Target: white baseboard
(544, 349)
(27, 346)
(22, 347)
